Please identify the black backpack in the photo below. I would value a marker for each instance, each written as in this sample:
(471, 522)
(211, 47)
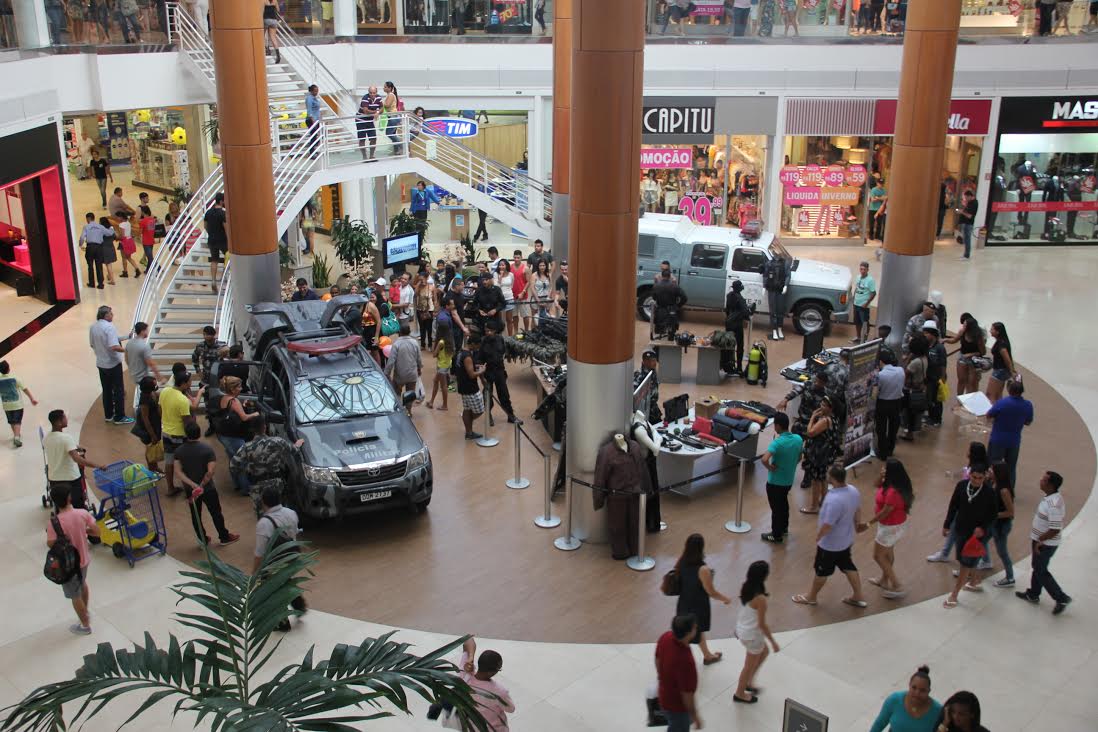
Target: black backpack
(774, 274)
(62, 559)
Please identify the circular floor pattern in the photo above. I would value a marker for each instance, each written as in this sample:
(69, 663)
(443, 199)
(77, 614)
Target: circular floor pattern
(475, 563)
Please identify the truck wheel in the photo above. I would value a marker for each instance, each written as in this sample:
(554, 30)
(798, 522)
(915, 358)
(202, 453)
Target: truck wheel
(646, 306)
(421, 507)
(809, 317)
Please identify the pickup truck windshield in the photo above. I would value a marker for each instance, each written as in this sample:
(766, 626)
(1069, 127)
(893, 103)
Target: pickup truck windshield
(332, 398)
(777, 250)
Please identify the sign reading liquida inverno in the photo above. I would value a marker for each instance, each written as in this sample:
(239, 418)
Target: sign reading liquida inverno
(678, 119)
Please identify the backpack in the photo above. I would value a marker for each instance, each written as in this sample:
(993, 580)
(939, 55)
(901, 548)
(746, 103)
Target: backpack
(279, 538)
(774, 274)
(62, 559)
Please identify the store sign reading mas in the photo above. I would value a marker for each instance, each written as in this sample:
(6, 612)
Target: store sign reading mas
(456, 127)
(689, 119)
(1020, 115)
(1074, 114)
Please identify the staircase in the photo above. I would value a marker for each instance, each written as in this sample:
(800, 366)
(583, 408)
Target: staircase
(178, 298)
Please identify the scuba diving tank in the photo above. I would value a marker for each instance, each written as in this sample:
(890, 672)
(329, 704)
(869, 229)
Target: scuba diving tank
(754, 362)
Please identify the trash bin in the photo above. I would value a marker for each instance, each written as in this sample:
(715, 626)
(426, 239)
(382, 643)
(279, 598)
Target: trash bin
(981, 237)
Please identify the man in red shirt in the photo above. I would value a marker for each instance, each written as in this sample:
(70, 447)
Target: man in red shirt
(678, 675)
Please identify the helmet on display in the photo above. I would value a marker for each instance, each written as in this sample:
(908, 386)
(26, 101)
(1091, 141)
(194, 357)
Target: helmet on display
(179, 136)
(684, 339)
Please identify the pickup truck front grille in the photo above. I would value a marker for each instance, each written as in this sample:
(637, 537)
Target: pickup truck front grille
(372, 476)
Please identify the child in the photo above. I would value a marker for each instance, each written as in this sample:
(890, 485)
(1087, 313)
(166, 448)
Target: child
(126, 244)
(444, 352)
(147, 224)
(10, 386)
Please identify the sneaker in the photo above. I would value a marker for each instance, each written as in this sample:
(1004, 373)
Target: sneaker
(17, 442)
(771, 538)
(284, 626)
(473, 435)
(1005, 582)
(78, 629)
(1060, 607)
(938, 557)
(983, 566)
(513, 419)
(956, 573)
(1027, 597)
(124, 275)
(231, 539)
(124, 420)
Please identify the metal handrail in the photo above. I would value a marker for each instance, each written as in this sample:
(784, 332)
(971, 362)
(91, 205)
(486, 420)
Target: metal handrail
(310, 68)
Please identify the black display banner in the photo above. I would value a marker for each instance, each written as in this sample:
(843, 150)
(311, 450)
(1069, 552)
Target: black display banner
(1048, 114)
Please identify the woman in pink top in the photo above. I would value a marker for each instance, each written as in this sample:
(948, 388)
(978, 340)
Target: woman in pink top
(492, 699)
(893, 503)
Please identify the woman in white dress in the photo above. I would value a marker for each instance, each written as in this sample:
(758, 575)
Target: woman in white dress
(752, 630)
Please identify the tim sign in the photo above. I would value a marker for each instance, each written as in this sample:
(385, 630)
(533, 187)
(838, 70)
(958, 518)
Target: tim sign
(452, 126)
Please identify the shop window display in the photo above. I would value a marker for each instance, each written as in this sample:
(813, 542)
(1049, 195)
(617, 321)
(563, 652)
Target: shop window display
(1044, 196)
(481, 16)
(713, 185)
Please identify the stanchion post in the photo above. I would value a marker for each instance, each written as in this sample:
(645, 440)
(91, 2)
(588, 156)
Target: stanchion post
(641, 562)
(486, 440)
(518, 482)
(568, 543)
(547, 520)
(739, 526)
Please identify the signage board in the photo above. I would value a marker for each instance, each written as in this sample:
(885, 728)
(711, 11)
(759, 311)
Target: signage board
(456, 127)
(966, 117)
(667, 157)
(861, 403)
(678, 119)
(400, 249)
(1048, 114)
(799, 718)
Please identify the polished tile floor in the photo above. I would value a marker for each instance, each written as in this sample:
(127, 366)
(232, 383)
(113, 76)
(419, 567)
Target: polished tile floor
(1031, 671)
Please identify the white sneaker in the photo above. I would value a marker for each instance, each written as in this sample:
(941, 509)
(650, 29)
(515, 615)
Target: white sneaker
(78, 629)
(937, 557)
(983, 566)
(781, 334)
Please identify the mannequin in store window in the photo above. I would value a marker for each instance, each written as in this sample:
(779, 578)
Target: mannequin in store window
(650, 192)
(621, 475)
(1052, 192)
(998, 194)
(1025, 181)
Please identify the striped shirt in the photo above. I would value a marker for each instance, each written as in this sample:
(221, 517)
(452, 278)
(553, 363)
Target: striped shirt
(1050, 515)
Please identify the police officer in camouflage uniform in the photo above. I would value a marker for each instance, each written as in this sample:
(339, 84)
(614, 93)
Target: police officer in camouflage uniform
(205, 353)
(649, 363)
(267, 461)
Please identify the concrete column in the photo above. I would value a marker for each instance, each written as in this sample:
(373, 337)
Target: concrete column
(535, 146)
(195, 117)
(237, 36)
(346, 18)
(31, 24)
(918, 148)
(562, 124)
(608, 64)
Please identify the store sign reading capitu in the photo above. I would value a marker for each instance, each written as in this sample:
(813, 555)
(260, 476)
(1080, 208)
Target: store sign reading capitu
(678, 120)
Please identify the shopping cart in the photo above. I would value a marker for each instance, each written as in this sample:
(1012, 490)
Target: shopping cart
(130, 519)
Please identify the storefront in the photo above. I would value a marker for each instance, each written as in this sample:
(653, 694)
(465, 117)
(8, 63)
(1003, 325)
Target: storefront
(1043, 188)
(478, 16)
(164, 147)
(36, 251)
(705, 157)
(372, 17)
(838, 159)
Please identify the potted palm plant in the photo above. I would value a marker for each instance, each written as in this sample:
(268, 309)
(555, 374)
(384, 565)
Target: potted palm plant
(220, 676)
(354, 247)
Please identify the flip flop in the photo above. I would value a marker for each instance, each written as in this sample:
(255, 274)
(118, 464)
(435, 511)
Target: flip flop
(949, 604)
(875, 581)
(973, 588)
(429, 405)
(738, 700)
(855, 603)
(808, 511)
(443, 409)
(753, 689)
(715, 659)
(802, 600)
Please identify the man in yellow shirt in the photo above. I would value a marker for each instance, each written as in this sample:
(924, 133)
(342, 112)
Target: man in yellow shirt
(176, 403)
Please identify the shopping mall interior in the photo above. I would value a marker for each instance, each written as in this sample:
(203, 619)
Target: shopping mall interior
(951, 154)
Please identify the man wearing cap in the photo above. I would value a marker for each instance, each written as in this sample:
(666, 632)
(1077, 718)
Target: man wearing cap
(865, 290)
(488, 303)
(935, 371)
(736, 312)
(915, 324)
(649, 363)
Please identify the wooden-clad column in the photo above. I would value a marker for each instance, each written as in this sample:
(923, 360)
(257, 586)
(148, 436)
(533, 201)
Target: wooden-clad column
(562, 124)
(607, 80)
(245, 129)
(926, 85)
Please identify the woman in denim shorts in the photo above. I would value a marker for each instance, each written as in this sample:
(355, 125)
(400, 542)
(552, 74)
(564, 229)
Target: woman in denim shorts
(1002, 362)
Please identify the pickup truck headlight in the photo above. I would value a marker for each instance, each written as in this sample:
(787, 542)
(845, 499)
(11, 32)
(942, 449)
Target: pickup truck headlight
(843, 297)
(319, 476)
(418, 459)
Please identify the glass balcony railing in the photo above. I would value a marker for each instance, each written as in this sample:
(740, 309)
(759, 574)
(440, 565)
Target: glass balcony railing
(82, 25)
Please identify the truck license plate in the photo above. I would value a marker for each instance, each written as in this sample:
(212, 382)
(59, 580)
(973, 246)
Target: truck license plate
(374, 496)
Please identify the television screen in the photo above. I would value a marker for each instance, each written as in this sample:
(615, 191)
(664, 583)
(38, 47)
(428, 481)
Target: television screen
(400, 249)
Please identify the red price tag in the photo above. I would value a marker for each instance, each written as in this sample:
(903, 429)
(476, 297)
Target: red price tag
(813, 175)
(789, 175)
(1015, 7)
(855, 174)
(1027, 184)
(1089, 183)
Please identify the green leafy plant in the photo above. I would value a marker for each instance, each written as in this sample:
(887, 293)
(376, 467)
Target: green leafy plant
(322, 272)
(216, 676)
(471, 253)
(284, 258)
(405, 223)
(353, 243)
(212, 130)
(178, 195)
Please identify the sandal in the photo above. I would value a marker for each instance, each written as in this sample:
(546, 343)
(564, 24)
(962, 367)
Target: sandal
(855, 603)
(430, 406)
(949, 604)
(443, 409)
(715, 659)
(973, 588)
(802, 600)
(738, 700)
(809, 511)
(876, 582)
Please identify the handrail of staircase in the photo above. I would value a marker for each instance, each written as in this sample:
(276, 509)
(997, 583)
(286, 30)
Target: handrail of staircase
(183, 232)
(223, 311)
(184, 31)
(309, 66)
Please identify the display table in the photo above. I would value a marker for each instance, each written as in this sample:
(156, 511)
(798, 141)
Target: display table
(686, 462)
(553, 422)
(670, 356)
(793, 405)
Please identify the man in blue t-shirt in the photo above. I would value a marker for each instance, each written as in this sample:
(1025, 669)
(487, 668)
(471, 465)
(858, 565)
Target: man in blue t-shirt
(840, 518)
(781, 458)
(1009, 416)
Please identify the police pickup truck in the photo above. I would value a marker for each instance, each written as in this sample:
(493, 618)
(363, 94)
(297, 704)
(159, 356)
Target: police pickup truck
(316, 382)
(707, 259)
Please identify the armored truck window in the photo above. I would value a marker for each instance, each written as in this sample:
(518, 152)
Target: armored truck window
(708, 256)
(748, 260)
